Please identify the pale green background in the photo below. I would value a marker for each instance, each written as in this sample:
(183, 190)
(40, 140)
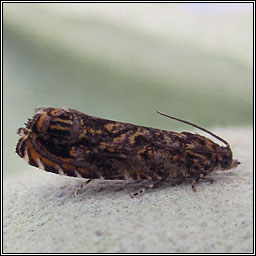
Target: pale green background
(125, 61)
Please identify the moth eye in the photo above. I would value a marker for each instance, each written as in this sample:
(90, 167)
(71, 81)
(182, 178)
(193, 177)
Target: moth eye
(225, 163)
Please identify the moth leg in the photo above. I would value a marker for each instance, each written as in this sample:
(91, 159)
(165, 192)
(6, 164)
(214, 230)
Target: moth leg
(193, 183)
(142, 190)
(149, 186)
(201, 176)
(211, 180)
(78, 190)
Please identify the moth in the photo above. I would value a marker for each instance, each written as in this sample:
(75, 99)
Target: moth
(68, 142)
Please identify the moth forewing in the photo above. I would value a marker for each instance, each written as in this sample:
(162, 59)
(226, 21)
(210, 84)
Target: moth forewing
(71, 143)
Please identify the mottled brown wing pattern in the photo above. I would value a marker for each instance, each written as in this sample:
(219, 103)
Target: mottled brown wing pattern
(71, 143)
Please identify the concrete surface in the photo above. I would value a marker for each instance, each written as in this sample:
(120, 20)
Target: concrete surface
(41, 214)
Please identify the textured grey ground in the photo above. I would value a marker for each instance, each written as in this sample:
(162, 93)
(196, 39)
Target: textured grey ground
(42, 215)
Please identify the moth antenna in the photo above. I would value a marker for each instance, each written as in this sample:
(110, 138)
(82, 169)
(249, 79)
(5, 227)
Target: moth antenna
(201, 128)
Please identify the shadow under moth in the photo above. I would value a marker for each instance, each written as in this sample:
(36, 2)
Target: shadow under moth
(68, 142)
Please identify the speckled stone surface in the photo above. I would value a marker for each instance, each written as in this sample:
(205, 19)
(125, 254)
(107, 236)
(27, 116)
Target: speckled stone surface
(41, 214)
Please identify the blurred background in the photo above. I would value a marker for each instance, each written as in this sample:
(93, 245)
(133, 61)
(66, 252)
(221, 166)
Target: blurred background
(125, 61)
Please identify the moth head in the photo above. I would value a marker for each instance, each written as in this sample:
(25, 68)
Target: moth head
(225, 159)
